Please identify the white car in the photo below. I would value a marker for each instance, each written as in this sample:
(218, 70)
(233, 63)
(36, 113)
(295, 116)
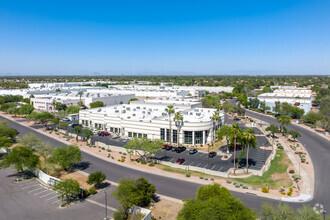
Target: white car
(115, 136)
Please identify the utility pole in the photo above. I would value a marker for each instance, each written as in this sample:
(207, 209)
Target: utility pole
(105, 205)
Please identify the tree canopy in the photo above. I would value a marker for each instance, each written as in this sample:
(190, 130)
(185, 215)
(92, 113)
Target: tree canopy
(96, 104)
(72, 109)
(96, 178)
(67, 156)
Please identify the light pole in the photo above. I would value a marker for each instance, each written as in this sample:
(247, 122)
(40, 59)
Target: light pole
(105, 206)
(324, 214)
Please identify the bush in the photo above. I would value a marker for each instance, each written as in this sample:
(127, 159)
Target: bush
(112, 157)
(201, 177)
(187, 175)
(138, 160)
(235, 182)
(265, 190)
(86, 192)
(120, 152)
(109, 150)
(291, 171)
(283, 193)
(152, 164)
(124, 154)
(212, 179)
(206, 178)
(245, 187)
(143, 162)
(280, 147)
(237, 186)
(122, 160)
(108, 155)
(228, 181)
(289, 193)
(241, 184)
(103, 148)
(92, 191)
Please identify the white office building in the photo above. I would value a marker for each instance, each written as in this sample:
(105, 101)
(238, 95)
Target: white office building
(149, 119)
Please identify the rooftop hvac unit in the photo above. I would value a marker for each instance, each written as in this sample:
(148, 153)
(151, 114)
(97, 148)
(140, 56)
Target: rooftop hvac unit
(123, 111)
(99, 110)
(117, 111)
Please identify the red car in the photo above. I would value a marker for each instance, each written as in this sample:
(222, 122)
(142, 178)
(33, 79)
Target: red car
(105, 134)
(180, 160)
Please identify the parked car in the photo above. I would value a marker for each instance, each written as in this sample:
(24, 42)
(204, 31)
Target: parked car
(174, 149)
(66, 119)
(75, 125)
(180, 160)
(212, 154)
(104, 133)
(193, 151)
(164, 146)
(115, 136)
(180, 149)
(126, 140)
(169, 147)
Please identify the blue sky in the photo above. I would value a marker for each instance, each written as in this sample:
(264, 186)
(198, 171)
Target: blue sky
(165, 37)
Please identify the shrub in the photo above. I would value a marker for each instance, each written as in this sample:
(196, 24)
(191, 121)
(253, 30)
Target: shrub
(120, 152)
(226, 156)
(228, 181)
(152, 164)
(86, 192)
(138, 160)
(201, 177)
(99, 150)
(143, 162)
(124, 154)
(265, 190)
(187, 175)
(103, 148)
(235, 183)
(283, 193)
(237, 186)
(241, 184)
(92, 190)
(294, 187)
(245, 187)
(122, 160)
(109, 150)
(206, 178)
(289, 193)
(291, 171)
(112, 157)
(280, 147)
(108, 155)
(118, 160)
(212, 179)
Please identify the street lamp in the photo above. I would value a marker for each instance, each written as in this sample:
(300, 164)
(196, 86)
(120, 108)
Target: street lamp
(105, 206)
(324, 214)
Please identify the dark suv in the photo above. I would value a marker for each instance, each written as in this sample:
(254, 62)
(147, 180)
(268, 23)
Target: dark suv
(212, 154)
(180, 149)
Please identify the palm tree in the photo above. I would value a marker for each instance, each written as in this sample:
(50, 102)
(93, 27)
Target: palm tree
(179, 119)
(80, 93)
(236, 135)
(170, 111)
(215, 119)
(251, 141)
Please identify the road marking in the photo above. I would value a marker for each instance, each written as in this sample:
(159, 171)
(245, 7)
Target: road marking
(55, 201)
(191, 163)
(52, 198)
(198, 164)
(201, 155)
(46, 195)
(102, 205)
(220, 169)
(33, 190)
(205, 165)
(40, 192)
(31, 186)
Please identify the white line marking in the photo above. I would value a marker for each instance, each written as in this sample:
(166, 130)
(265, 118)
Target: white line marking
(198, 164)
(52, 198)
(34, 190)
(102, 205)
(40, 192)
(30, 186)
(220, 169)
(191, 163)
(46, 195)
(56, 201)
(205, 165)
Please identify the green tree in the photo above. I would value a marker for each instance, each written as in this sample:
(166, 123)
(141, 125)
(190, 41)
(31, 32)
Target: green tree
(273, 129)
(44, 117)
(22, 158)
(29, 140)
(170, 110)
(311, 117)
(215, 118)
(67, 156)
(134, 193)
(5, 142)
(88, 133)
(55, 121)
(25, 109)
(144, 145)
(68, 189)
(80, 93)
(10, 133)
(215, 202)
(63, 126)
(228, 107)
(96, 178)
(251, 141)
(72, 109)
(284, 121)
(178, 118)
(44, 149)
(225, 132)
(77, 130)
(294, 134)
(96, 104)
(132, 100)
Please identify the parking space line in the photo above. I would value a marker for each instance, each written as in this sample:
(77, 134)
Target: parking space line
(205, 166)
(56, 201)
(41, 192)
(31, 186)
(46, 195)
(191, 163)
(198, 164)
(24, 182)
(34, 190)
(52, 198)
(201, 155)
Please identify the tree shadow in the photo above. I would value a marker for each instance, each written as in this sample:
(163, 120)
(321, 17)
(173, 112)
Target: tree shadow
(155, 198)
(103, 185)
(82, 165)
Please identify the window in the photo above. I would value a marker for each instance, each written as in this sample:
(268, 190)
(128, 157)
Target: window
(82, 121)
(100, 126)
(168, 135)
(198, 137)
(111, 129)
(139, 135)
(134, 134)
(130, 134)
(175, 136)
(95, 125)
(188, 137)
(206, 136)
(162, 134)
(145, 135)
(116, 130)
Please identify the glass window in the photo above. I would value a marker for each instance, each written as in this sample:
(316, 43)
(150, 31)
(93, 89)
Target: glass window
(206, 136)
(134, 134)
(162, 134)
(168, 135)
(188, 137)
(111, 129)
(82, 121)
(175, 136)
(116, 130)
(198, 137)
(95, 125)
(145, 135)
(139, 135)
(130, 134)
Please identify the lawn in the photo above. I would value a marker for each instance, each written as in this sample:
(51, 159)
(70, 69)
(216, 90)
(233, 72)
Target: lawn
(275, 176)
